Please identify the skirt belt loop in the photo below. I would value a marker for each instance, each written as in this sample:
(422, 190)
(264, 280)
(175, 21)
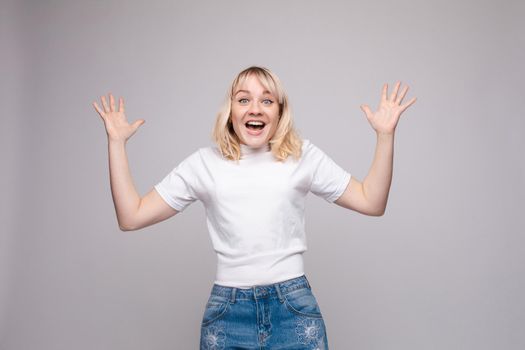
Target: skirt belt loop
(279, 292)
(232, 296)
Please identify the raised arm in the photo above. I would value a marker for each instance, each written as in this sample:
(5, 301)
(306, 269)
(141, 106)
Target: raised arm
(133, 212)
(370, 197)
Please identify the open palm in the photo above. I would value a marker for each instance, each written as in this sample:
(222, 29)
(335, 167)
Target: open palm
(117, 127)
(385, 119)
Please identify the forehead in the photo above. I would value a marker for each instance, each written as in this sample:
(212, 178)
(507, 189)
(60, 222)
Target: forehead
(252, 81)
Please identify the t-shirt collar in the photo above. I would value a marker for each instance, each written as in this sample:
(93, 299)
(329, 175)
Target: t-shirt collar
(248, 151)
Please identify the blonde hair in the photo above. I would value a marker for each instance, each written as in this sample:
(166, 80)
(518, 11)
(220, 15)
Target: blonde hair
(286, 140)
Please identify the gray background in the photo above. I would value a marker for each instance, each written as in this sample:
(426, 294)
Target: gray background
(442, 269)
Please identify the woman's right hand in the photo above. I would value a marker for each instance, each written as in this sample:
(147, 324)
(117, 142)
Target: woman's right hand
(117, 127)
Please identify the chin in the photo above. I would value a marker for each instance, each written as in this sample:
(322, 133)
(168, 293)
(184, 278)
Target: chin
(254, 141)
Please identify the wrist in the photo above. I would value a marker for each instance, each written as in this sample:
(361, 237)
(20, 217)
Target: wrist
(385, 134)
(116, 142)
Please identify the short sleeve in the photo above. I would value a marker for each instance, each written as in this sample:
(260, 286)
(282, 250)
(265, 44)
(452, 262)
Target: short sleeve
(177, 188)
(329, 180)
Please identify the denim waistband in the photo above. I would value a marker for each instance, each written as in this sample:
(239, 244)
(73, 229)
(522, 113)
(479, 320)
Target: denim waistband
(261, 291)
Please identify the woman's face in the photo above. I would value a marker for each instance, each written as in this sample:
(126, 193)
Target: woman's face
(251, 102)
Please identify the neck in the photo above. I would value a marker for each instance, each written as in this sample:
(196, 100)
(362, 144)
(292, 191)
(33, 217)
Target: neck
(250, 150)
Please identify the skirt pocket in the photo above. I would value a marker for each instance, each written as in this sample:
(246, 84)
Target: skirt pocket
(302, 302)
(215, 308)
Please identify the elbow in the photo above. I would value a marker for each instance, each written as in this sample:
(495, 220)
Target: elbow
(124, 227)
(377, 211)
(380, 213)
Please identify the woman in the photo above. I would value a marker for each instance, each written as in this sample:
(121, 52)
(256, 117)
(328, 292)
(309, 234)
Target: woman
(253, 184)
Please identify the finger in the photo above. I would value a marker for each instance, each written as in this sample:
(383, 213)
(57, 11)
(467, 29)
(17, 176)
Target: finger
(98, 109)
(105, 104)
(403, 93)
(411, 102)
(121, 105)
(383, 94)
(138, 123)
(394, 93)
(366, 109)
(111, 103)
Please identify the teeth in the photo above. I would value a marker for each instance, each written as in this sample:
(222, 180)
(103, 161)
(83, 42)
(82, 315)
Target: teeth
(255, 123)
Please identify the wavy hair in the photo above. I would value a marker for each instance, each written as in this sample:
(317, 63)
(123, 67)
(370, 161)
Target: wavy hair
(285, 142)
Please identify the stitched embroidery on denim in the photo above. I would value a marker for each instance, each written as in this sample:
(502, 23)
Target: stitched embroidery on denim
(213, 338)
(310, 332)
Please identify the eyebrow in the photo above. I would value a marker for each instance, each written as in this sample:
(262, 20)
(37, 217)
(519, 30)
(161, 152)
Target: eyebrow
(265, 92)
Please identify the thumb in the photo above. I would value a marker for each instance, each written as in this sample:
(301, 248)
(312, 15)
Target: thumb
(138, 123)
(367, 110)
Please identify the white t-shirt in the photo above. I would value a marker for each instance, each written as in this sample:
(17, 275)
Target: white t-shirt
(254, 209)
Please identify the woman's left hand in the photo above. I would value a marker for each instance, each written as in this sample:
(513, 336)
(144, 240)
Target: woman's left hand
(384, 120)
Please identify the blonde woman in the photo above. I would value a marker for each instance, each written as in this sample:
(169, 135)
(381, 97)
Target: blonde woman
(253, 184)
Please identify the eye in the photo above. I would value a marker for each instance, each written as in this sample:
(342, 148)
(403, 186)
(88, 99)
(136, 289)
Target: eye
(267, 102)
(242, 100)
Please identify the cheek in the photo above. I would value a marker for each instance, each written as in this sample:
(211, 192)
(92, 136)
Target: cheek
(237, 126)
(276, 118)
(236, 116)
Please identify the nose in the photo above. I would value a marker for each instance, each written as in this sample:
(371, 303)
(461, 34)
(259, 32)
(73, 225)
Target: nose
(255, 109)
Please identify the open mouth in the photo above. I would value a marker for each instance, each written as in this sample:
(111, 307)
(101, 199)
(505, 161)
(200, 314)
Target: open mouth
(255, 125)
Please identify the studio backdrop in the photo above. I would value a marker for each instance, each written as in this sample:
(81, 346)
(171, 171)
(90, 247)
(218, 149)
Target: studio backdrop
(443, 268)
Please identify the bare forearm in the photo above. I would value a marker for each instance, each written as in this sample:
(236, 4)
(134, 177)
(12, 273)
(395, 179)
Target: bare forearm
(125, 196)
(376, 184)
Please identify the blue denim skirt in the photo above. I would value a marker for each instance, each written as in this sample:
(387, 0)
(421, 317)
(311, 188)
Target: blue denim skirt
(283, 315)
